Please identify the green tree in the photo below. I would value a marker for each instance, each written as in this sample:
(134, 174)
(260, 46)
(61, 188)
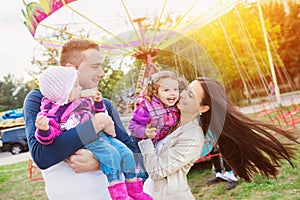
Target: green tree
(289, 35)
(6, 97)
(236, 45)
(13, 92)
(112, 77)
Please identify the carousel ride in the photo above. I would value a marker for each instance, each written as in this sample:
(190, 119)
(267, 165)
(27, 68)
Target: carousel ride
(139, 30)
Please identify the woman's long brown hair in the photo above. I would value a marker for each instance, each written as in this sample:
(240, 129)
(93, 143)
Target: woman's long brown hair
(248, 145)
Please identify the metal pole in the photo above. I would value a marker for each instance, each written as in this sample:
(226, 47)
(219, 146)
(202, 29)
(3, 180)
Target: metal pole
(277, 91)
(142, 31)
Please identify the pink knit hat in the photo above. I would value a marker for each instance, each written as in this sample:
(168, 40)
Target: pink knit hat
(56, 83)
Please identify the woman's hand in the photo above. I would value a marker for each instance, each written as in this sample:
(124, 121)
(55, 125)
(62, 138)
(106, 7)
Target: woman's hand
(83, 160)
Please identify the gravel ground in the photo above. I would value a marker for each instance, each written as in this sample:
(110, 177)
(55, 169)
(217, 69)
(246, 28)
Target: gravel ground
(6, 158)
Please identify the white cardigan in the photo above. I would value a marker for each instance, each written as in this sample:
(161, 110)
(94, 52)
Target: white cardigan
(168, 169)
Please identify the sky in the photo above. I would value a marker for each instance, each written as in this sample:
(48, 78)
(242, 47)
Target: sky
(18, 46)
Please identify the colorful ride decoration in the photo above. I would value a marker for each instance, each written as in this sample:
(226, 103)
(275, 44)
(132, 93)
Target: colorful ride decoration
(146, 69)
(285, 117)
(207, 148)
(12, 114)
(36, 12)
(11, 118)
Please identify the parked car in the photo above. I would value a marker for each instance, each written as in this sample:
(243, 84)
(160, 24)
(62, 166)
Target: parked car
(13, 140)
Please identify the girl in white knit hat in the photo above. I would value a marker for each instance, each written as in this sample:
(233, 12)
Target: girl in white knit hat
(63, 107)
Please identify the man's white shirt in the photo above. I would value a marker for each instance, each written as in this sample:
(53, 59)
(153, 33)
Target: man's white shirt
(61, 182)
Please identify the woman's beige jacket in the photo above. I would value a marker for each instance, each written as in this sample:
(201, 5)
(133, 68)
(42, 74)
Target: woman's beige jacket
(168, 169)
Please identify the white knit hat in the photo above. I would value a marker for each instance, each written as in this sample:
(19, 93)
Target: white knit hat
(56, 83)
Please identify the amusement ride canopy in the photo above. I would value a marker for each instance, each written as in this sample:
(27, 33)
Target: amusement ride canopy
(138, 29)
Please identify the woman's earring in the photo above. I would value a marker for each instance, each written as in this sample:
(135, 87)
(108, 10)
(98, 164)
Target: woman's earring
(200, 113)
(199, 117)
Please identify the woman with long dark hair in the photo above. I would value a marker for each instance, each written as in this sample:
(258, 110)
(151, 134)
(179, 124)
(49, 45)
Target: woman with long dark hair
(247, 145)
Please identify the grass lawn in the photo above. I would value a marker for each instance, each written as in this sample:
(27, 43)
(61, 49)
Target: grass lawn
(287, 185)
(15, 183)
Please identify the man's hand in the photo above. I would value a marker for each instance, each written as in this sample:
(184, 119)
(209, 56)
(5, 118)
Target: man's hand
(83, 161)
(103, 122)
(42, 123)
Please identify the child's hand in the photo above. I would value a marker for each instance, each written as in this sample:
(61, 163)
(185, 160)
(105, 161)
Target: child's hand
(42, 123)
(97, 96)
(150, 132)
